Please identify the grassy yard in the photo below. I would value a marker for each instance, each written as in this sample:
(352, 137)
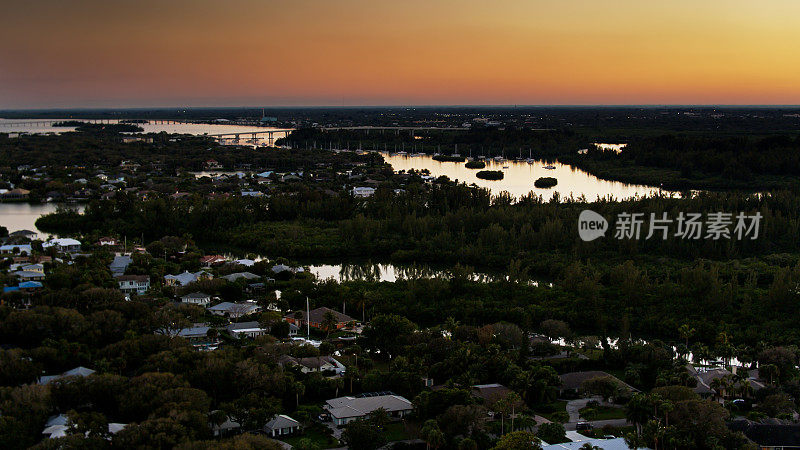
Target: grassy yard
(549, 409)
(316, 434)
(603, 413)
(396, 431)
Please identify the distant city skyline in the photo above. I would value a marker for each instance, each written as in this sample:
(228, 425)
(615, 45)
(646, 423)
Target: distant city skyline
(196, 53)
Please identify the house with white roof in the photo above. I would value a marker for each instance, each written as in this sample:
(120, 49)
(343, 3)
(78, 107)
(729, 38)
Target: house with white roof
(63, 244)
(250, 329)
(234, 310)
(16, 248)
(186, 278)
(196, 298)
(79, 371)
(363, 192)
(281, 425)
(347, 409)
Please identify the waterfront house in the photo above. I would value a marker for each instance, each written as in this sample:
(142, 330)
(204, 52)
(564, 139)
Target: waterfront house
(63, 245)
(235, 276)
(15, 194)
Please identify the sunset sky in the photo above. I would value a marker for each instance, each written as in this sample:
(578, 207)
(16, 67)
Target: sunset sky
(108, 53)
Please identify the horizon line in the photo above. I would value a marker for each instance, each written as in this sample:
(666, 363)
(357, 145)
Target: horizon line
(559, 105)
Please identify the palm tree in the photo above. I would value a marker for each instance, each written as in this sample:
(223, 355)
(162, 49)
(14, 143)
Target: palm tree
(329, 322)
(637, 411)
(686, 332)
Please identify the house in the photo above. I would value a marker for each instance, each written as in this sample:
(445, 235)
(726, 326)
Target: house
(28, 275)
(186, 278)
(212, 260)
(63, 244)
(196, 298)
(15, 194)
(363, 192)
(281, 425)
(314, 364)
(706, 387)
(25, 286)
(57, 427)
(79, 371)
(278, 268)
(192, 333)
(16, 248)
(344, 410)
(234, 310)
(226, 428)
(293, 329)
(246, 329)
(316, 318)
(133, 284)
(119, 265)
(32, 268)
(769, 436)
(244, 262)
(246, 275)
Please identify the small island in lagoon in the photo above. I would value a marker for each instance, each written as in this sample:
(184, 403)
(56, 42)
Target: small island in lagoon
(545, 182)
(477, 164)
(490, 175)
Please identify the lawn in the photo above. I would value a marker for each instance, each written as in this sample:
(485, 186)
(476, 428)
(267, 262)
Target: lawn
(548, 409)
(316, 434)
(603, 413)
(396, 431)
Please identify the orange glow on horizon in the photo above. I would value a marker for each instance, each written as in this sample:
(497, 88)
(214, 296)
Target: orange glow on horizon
(359, 52)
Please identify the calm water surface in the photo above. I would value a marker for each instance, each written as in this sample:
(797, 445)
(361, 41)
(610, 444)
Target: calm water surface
(22, 216)
(519, 177)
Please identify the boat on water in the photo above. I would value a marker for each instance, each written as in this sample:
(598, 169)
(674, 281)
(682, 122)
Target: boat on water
(530, 161)
(401, 153)
(416, 155)
(498, 158)
(550, 167)
(505, 167)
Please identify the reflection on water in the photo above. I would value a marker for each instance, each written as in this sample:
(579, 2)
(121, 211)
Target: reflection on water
(391, 273)
(520, 175)
(22, 216)
(614, 147)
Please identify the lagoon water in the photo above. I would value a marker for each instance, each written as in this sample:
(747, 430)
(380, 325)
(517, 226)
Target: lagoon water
(519, 177)
(22, 216)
